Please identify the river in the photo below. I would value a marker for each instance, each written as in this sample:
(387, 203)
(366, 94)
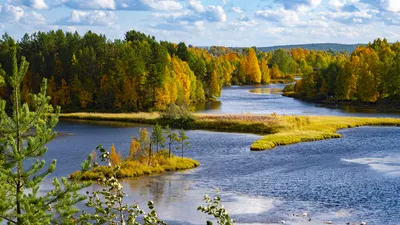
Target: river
(352, 179)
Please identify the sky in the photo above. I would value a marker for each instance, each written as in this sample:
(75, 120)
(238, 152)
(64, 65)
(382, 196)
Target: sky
(235, 23)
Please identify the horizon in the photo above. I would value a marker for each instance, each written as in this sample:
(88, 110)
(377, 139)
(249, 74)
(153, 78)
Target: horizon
(234, 23)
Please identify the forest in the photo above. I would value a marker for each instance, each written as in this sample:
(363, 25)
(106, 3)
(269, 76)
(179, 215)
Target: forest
(371, 74)
(139, 73)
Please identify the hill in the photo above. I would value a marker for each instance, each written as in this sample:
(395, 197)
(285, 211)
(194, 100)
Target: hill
(321, 46)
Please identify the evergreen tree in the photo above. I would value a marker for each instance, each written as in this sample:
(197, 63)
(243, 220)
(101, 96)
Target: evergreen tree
(157, 137)
(23, 134)
(171, 137)
(182, 139)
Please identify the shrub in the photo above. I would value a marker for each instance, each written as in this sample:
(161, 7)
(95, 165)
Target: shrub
(175, 116)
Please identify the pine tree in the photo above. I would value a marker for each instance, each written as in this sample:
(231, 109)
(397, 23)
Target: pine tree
(182, 139)
(171, 137)
(23, 134)
(157, 137)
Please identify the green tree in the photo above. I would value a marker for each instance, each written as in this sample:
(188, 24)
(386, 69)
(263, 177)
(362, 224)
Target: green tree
(171, 138)
(157, 137)
(23, 134)
(182, 139)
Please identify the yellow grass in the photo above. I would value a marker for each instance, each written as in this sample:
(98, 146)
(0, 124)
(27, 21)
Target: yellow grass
(135, 168)
(122, 117)
(295, 129)
(281, 130)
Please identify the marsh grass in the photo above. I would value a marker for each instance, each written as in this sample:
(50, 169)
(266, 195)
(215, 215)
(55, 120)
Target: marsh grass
(160, 163)
(281, 130)
(296, 129)
(148, 118)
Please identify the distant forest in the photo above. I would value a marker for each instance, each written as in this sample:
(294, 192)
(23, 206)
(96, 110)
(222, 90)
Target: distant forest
(138, 73)
(93, 73)
(370, 74)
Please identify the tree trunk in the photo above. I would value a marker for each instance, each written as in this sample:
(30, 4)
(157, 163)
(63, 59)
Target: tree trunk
(169, 152)
(150, 150)
(182, 150)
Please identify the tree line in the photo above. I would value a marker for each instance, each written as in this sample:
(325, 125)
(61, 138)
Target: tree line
(91, 72)
(370, 74)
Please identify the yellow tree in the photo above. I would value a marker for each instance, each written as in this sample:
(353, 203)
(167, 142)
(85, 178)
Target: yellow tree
(265, 75)
(242, 73)
(253, 70)
(115, 157)
(350, 77)
(369, 74)
(134, 149)
(215, 88)
(275, 73)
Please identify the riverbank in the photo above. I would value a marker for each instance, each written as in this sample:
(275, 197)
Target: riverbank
(159, 163)
(279, 130)
(380, 105)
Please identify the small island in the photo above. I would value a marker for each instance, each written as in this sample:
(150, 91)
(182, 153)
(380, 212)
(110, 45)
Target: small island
(142, 160)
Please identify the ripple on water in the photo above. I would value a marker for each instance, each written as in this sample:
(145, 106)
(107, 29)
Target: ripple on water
(388, 165)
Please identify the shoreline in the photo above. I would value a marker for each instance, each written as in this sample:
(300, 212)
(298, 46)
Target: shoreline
(278, 130)
(379, 106)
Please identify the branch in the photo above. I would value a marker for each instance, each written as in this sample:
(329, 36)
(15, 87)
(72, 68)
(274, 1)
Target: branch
(9, 220)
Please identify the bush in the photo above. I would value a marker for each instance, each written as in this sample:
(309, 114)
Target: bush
(176, 116)
(288, 88)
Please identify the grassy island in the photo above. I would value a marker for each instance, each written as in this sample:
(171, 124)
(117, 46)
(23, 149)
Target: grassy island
(130, 168)
(279, 130)
(145, 156)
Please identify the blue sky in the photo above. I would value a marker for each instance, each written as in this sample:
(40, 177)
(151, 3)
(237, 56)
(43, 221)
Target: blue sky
(211, 22)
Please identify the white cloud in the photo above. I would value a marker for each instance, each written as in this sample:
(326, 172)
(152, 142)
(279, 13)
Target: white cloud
(281, 15)
(92, 4)
(36, 4)
(215, 13)
(337, 4)
(362, 16)
(164, 5)
(90, 18)
(237, 9)
(10, 13)
(300, 5)
(196, 6)
(134, 5)
(391, 5)
(34, 18)
(211, 13)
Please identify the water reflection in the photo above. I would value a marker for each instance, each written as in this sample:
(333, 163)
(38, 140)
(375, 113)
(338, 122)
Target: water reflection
(267, 91)
(267, 99)
(203, 106)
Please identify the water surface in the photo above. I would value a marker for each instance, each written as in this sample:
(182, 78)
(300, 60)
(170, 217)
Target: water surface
(267, 99)
(352, 179)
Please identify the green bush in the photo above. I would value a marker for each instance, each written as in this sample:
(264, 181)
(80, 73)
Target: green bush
(177, 116)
